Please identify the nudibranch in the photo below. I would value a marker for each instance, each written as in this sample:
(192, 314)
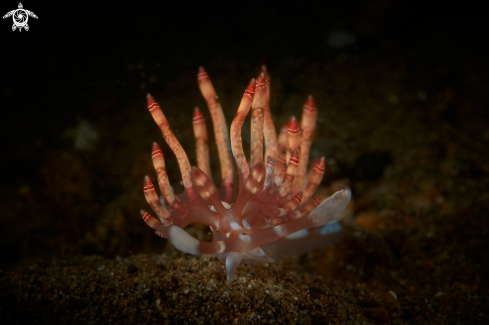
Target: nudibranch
(270, 201)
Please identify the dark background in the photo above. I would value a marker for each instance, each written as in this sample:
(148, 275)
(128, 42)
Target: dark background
(94, 62)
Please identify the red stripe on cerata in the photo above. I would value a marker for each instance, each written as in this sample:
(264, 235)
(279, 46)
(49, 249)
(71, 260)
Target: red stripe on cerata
(156, 153)
(152, 106)
(202, 75)
(261, 84)
(197, 119)
(310, 105)
(146, 216)
(320, 169)
(294, 160)
(293, 131)
(310, 109)
(249, 93)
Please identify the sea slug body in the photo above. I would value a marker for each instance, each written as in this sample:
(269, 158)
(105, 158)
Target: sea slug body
(272, 200)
